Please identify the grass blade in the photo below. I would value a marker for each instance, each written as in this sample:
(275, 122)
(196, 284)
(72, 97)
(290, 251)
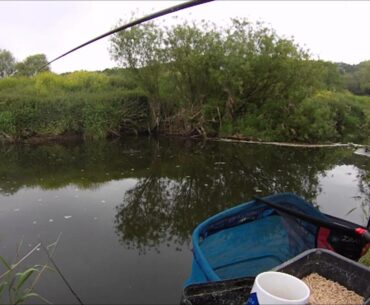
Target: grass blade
(5, 263)
(31, 295)
(24, 276)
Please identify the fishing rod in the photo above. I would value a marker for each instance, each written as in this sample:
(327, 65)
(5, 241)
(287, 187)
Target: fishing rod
(362, 232)
(152, 16)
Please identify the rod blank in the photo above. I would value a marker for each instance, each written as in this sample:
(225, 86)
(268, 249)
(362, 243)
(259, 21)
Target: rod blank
(133, 23)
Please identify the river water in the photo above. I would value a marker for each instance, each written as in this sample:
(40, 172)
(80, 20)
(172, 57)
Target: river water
(125, 210)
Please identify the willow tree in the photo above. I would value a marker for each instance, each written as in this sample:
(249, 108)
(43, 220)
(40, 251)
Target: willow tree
(7, 63)
(139, 49)
(266, 76)
(31, 65)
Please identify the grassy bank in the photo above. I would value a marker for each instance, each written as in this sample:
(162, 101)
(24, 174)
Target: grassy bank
(100, 105)
(82, 103)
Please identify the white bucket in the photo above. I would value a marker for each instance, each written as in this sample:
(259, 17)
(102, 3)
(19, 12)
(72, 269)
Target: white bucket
(278, 288)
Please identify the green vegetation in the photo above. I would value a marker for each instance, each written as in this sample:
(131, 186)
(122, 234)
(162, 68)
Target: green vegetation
(366, 259)
(89, 104)
(17, 283)
(357, 77)
(31, 65)
(7, 63)
(195, 80)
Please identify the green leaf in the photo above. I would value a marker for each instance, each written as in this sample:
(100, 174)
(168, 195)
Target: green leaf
(23, 276)
(2, 286)
(5, 263)
(20, 300)
(31, 295)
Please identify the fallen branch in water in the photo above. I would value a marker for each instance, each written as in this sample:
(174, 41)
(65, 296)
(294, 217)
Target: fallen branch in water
(237, 140)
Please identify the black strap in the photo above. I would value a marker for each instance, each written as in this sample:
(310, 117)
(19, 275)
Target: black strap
(321, 222)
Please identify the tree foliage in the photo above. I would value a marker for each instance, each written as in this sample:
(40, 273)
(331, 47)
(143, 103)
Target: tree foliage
(31, 65)
(7, 63)
(357, 78)
(139, 50)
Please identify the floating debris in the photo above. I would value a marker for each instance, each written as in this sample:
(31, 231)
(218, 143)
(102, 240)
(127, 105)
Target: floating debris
(103, 201)
(51, 220)
(220, 163)
(67, 217)
(16, 210)
(177, 165)
(34, 222)
(39, 200)
(95, 218)
(363, 152)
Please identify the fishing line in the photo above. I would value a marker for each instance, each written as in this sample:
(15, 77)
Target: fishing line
(161, 13)
(60, 273)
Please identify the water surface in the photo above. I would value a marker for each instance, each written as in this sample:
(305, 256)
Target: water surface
(126, 209)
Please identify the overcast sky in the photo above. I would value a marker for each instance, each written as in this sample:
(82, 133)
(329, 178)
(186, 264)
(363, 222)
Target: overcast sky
(332, 30)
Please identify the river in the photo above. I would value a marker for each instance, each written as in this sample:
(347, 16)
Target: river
(125, 209)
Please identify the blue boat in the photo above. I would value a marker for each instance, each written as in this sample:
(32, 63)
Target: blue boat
(254, 237)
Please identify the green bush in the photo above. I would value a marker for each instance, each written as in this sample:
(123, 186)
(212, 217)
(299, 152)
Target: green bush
(85, 103)
(332, 116)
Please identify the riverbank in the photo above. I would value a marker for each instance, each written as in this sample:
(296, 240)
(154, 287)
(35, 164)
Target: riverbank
(71, 138)
(242, 82)
(49, 108)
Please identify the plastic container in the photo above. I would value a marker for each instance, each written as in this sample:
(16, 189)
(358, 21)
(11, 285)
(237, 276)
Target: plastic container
(332, 266)
(335, 267)
(222, 292)
(278, 288)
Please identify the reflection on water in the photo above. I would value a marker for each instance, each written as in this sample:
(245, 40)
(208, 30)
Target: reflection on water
(134, 204)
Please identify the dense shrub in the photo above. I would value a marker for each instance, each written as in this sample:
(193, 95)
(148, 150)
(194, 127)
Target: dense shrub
(82, 103)
(333, 116)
